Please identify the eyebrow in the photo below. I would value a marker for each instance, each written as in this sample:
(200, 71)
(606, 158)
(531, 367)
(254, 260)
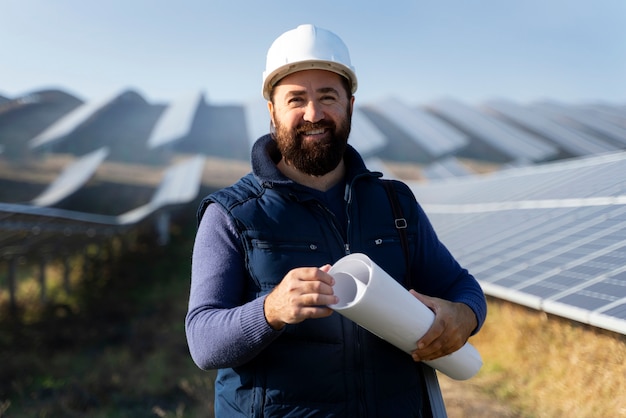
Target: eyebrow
(320, 90)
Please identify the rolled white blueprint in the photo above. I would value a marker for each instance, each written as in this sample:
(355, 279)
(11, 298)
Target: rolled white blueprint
(374, 300)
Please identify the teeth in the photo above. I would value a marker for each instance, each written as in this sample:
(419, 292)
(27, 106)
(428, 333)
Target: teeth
(314, 132)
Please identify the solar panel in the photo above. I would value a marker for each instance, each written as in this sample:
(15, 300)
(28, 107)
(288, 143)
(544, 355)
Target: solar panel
(611, 114)
(70, 122)
(180, 184)
(585, 120)
(445, 168)
(552, 238)
(364, 135)
(512, 141)
(72, 178)
(429, 132)
(176, 120)
(257, 119)
(574, 142)
(376, 164)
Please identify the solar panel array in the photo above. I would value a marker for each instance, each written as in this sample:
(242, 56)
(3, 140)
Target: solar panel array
(549, 237)
(34, 229)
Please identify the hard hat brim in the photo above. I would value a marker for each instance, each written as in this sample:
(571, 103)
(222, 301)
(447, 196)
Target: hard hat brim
(271, 79)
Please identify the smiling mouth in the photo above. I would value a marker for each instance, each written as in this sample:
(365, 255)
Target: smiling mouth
(314, 132)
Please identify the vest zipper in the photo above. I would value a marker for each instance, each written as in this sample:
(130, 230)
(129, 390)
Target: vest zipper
(338, 233)
(347, 197)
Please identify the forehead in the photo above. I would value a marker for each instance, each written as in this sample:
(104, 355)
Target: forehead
(312, 80)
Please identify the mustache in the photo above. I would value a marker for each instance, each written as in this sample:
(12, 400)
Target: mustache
(308, 126)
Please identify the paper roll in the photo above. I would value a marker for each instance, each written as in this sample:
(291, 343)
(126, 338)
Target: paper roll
(374, 300)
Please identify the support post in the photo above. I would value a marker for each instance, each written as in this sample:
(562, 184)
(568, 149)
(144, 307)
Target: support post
(43, 262)
(163, 227)
(12, 268)
(66, 273)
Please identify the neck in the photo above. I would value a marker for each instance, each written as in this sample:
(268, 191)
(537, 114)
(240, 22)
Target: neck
(321, 183)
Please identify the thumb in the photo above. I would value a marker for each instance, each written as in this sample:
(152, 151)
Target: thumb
(325, 268)
(426, 300)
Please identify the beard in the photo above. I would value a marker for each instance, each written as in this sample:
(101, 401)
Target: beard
(314, 158)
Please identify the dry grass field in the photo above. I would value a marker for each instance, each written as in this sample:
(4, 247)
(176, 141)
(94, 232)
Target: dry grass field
(547, 367)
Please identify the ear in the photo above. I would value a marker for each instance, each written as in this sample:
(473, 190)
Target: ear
(270, 109)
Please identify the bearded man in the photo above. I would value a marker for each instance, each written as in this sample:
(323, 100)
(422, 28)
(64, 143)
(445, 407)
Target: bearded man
(260, 288)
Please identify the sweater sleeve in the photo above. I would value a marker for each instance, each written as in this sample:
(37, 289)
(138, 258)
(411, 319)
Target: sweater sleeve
(223, 330)
(440, 275)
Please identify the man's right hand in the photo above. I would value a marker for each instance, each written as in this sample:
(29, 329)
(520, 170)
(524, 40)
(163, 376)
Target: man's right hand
(302, 294)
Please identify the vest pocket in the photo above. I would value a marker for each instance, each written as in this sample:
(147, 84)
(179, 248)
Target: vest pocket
(284, 246)
(269, 260)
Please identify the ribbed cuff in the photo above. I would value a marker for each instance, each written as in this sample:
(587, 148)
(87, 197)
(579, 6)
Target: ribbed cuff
(254, 325)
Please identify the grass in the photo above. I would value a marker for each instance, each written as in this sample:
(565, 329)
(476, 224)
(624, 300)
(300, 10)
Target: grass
(115, 347)
(547, 366)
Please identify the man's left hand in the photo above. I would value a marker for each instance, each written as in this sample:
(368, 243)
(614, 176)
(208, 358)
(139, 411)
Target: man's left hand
(453, 324)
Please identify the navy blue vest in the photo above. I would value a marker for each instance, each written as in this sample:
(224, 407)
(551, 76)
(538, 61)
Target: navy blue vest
(326, 367)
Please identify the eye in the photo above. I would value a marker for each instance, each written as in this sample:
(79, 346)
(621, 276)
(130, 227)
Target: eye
(296, 100)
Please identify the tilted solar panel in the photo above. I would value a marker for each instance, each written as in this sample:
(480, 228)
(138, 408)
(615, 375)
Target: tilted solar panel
(574, 142)
(552, 238)
(513, 142)
(429, 132)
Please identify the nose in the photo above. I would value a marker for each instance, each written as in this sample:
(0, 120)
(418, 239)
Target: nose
(313, 112)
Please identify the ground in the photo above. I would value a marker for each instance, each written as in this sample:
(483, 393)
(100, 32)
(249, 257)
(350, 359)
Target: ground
(465, 401)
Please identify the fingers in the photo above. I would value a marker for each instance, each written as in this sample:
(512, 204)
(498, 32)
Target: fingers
(302, 294)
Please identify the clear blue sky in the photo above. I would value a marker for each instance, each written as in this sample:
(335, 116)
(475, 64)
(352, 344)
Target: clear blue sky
(472, 50)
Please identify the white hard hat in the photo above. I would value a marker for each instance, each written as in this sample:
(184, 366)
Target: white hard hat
(306, 48)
